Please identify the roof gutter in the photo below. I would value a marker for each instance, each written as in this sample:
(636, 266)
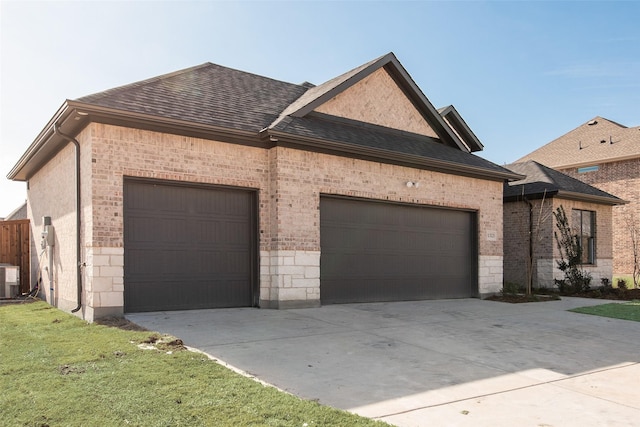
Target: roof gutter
(74, 116)
(593, 162)
(567, 195)
(42, 140)
(114, 116)
(387, 156)
(56, 130)
(591, 198)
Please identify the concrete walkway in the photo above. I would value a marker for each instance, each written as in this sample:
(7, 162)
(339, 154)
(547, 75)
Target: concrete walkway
(433, 363)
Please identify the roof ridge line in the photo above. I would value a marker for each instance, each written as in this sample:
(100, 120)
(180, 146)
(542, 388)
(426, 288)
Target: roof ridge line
(549, 173)
(111, 91)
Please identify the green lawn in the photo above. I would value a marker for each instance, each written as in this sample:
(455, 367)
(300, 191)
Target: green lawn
(57, 370)
(627, 311)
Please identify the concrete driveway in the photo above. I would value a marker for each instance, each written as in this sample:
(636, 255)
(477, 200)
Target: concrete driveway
(450, 362)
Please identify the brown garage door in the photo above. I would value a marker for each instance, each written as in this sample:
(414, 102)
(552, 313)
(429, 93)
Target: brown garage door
(373, 251)
(187, 247)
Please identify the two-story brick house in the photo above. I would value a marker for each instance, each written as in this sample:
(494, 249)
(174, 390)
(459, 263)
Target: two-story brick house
(530, 250)
(212, 187)
(606, 155)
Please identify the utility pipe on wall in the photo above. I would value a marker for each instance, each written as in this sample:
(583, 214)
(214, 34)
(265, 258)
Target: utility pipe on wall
(50, 274)
(56, 129)
(47, 243)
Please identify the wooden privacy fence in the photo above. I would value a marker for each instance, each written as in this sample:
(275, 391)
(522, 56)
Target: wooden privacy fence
(14, 248)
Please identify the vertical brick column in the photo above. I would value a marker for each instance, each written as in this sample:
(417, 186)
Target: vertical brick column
(290, 269)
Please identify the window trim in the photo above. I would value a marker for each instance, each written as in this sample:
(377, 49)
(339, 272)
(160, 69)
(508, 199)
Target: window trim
(587, 169)
(590, 258)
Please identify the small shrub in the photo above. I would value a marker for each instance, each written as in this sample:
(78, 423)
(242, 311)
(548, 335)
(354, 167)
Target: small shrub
(578, 283)
(622, 284)
(607, 287)
(510, 288)
(575, 279)
(561, 284)
(584, 285)
(542, 290)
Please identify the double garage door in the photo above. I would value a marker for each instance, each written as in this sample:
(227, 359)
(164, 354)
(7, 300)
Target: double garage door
(373, 251)
(190, 247)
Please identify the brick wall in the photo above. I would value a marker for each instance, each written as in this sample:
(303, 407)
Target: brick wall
(378, 99)
(302, 177)
(622, 179)
(123, 152)
(545, 251)
(51, 192)
(288, 182)
(516, 239)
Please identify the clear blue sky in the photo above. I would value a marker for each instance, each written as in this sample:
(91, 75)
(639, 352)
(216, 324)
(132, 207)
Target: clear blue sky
(520, 73)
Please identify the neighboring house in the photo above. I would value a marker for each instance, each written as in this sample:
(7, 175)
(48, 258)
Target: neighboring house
(18, 213)
(604, 154)
(15, 243)
(529, 225)
(212, 187)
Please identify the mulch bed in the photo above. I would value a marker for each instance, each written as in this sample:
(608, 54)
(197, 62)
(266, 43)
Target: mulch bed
(613, 294)
(519, 298)
(617, 294)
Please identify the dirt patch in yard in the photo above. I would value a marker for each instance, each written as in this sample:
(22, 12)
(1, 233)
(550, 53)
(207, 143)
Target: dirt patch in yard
(120, 323)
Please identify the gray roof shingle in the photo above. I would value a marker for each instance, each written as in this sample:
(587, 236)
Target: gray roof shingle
(208, 94)
(218, 96)
(596, 141)
(368, 135)
(541, 180)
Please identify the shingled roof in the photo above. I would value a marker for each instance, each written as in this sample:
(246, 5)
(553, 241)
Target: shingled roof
(362, 137)
(208, 94)
(541, 181)
(597, 141)
(216, 102)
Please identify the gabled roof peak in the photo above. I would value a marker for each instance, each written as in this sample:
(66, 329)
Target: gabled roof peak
(215, 102)
(599, 120)
(460, 127)
(595, 141)
(318, 95)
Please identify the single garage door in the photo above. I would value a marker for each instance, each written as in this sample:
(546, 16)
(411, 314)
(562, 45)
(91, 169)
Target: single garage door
(374, 251)
(187, 247)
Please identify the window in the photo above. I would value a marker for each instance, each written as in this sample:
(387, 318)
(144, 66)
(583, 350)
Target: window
(584, 225)
(588, 169)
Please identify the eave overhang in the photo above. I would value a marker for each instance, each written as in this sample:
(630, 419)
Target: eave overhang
(570, 195)
(567, 195)
(73, 116)
(595, 162)
(278, 138)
